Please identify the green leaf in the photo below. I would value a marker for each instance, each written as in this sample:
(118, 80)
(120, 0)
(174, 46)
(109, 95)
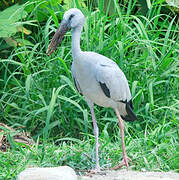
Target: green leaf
(11, 61)
(28, 84)
(65, 67)
(54, 17)
(50, 110)
(148, 4)
(151, 94)
(24, 42)
(8, 19)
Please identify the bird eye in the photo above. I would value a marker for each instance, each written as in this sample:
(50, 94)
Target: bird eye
(71, 16)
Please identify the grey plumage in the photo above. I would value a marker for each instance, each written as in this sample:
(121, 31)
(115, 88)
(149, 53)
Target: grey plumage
(108, 84)
(96, 77)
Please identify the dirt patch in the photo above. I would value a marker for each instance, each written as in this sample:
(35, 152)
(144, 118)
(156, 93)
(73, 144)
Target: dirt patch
(9, 135)
(132, 175)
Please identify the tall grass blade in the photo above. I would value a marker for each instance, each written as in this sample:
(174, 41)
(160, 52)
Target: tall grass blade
(50, 111)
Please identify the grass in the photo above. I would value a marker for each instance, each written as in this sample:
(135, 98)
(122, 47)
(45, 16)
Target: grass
(38, 94)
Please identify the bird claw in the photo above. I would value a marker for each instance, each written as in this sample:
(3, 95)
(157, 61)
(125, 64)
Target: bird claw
(124, 162)
(96, 170)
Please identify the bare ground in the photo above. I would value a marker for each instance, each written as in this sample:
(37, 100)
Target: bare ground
(132, 175)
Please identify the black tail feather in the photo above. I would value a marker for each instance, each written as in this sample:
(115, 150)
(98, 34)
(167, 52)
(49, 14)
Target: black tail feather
(131, 116)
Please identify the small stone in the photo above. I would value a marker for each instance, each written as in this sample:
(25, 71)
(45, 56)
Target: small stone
(54, 173)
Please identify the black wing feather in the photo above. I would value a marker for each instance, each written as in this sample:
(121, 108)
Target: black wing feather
(105, 89)
(131, 116)
(77, 86)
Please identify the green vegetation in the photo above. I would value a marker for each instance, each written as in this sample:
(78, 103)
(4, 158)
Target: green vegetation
(38, 95)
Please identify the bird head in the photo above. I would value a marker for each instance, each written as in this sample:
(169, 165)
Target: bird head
(72, 19)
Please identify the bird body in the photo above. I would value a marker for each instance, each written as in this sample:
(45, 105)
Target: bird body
(96, 77)
(90, 70)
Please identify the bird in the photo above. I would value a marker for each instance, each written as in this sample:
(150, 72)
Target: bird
(96, 77)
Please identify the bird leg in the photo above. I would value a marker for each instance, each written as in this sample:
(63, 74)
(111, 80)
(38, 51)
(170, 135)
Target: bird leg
(125, 158)
(96, 132)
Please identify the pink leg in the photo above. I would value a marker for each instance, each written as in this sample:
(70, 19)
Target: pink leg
(96, 132)
(125, 158)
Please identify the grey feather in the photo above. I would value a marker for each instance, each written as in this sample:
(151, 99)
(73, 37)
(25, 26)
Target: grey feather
(75, 80)
(110, 74)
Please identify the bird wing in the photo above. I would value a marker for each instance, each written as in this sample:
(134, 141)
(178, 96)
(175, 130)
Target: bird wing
(112, 81)
(73, 72)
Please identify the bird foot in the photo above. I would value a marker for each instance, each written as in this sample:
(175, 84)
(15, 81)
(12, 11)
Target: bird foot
(96, 170)
(124, 162)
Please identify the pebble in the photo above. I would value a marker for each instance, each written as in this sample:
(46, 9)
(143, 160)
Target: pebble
(53, 173)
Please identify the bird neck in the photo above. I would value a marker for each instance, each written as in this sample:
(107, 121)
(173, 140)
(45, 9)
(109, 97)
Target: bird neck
(76, 33)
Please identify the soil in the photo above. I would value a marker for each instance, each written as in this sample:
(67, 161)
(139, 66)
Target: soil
(131, 175)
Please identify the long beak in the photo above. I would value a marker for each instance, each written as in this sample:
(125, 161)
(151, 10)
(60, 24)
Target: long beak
(58, 37)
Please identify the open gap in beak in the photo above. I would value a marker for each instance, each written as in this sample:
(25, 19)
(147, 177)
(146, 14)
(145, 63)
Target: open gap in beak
(58, 37)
